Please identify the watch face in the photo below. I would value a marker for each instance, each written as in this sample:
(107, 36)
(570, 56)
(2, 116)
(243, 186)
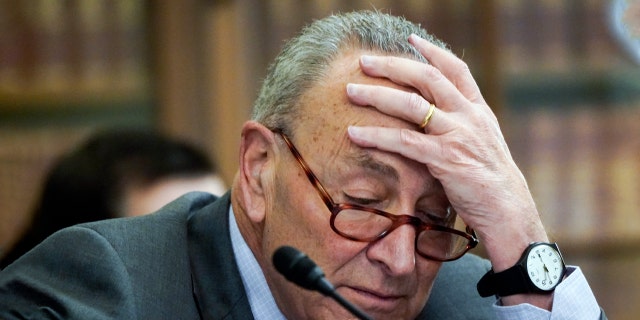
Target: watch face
(545, 267)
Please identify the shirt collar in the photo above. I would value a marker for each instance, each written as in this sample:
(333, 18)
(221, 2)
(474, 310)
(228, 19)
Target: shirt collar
(263, 305)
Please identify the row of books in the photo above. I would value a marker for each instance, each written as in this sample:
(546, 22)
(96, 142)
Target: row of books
(557, 35)
(57, 44)
(531, 35)
(583, 168)
(61, 46)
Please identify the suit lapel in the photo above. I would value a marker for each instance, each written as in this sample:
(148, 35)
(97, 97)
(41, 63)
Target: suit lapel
(217, 286)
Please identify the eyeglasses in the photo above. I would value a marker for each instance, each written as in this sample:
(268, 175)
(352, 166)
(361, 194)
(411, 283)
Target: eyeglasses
(358, 223)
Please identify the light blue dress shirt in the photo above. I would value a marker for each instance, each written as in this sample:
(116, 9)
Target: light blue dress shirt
(263, 306)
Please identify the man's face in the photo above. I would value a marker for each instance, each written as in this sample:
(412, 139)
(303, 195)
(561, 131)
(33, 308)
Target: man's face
(385, 278)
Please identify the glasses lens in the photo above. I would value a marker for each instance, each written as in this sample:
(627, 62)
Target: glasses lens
(442, 245)
(361, 225)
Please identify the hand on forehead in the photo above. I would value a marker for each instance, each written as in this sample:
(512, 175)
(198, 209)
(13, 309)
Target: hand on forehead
(326, 107)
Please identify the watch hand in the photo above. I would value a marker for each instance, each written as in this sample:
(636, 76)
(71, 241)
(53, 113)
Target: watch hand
(545, 270)
(544, 265)
(546, 274)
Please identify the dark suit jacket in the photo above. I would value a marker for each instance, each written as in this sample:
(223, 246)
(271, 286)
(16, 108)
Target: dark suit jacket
(174, 264)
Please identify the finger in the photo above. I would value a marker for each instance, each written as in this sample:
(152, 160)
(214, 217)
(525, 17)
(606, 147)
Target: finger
(452, 67)
(427, 79)
(408, 106)
(400, 104)
(410, 144)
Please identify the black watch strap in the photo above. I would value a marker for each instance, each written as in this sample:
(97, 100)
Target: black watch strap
(515, 280)
(509, 282)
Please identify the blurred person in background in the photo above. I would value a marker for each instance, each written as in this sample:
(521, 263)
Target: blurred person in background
(116, 173)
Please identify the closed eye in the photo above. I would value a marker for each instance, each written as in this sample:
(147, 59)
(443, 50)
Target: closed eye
(435, 218)
(365, 202)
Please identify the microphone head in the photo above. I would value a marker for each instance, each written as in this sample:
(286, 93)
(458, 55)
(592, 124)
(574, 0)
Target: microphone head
(301, 270)
(298, 268)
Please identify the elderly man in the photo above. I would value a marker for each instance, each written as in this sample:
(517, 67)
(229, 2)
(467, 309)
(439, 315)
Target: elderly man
(370, 149)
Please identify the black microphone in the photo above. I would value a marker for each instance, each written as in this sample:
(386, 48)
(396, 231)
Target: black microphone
(298, 268)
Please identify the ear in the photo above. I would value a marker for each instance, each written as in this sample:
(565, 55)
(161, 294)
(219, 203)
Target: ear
(257, 165)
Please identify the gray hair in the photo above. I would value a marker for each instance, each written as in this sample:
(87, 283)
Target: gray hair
(305, 58)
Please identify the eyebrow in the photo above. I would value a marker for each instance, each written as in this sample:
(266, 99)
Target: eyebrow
(366, 160)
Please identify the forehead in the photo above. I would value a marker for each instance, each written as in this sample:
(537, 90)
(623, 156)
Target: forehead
(326, 110)
(326, 113)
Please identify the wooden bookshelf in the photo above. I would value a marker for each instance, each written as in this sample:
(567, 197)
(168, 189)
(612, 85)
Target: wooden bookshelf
(567, 94)
(60, 52)
(67, 67)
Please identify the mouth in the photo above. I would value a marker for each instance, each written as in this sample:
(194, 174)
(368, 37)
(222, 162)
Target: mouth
(370, 299)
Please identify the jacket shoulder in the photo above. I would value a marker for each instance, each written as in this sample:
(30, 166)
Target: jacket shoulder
(140, 265)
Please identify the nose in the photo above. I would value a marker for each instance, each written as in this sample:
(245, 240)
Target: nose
(396, 252)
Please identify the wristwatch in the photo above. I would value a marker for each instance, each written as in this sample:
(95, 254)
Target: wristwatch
(539, 270)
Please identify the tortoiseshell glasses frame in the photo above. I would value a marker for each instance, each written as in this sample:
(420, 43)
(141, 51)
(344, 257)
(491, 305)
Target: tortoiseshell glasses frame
(359, 223)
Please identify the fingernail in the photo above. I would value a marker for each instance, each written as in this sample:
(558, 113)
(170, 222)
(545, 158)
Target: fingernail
(366, 60)
(354, 132)
(352, 88)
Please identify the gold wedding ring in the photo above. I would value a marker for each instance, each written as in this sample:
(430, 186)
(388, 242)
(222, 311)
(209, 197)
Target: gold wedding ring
(427, 117)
